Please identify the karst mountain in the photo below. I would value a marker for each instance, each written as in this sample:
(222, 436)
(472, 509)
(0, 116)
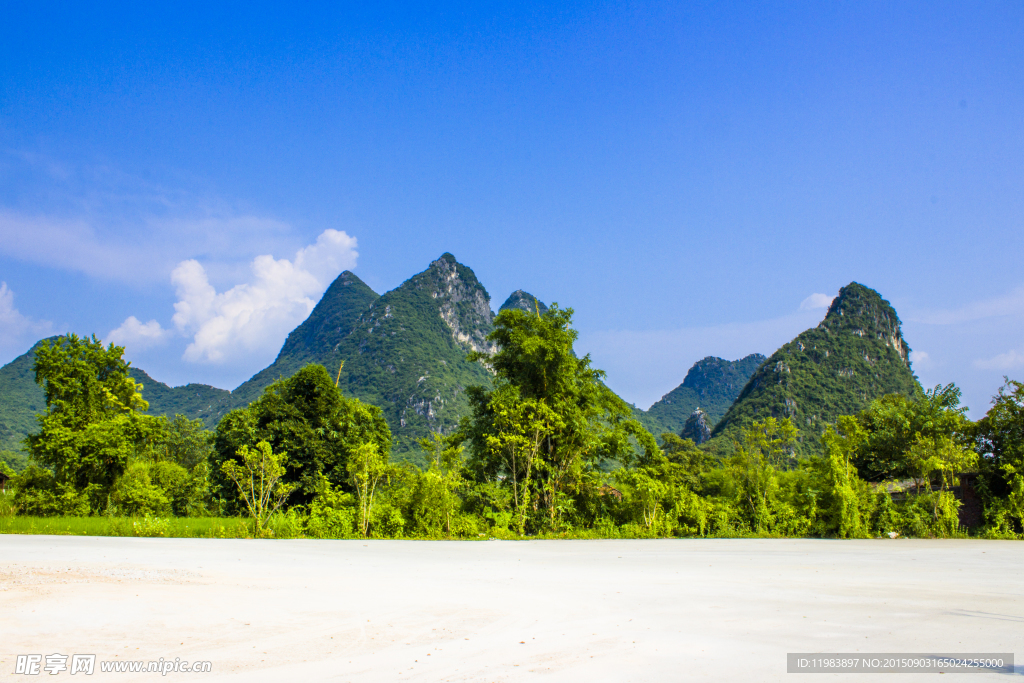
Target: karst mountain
(405, 351)
(855, 355)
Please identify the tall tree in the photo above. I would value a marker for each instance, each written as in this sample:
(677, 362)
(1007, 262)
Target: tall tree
(93, 422)
(549, 420)
(258, 479)
(895, 423)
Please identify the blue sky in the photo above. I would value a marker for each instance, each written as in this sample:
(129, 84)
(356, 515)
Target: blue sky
(187, 180)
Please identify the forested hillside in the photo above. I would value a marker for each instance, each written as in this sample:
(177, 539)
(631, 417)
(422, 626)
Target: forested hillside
(21, 399)
(407, 352)
(855, 355)
(712, 384)
(317, 339)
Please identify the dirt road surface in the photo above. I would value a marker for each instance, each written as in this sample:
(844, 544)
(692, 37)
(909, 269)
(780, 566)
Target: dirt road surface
(659, 610)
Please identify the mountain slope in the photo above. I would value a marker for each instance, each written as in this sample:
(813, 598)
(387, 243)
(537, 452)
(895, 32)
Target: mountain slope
(316, 339)
(196, 401)
(21, 399)
(855, 355)
(407, 352)
(711, 384)
(523, 301)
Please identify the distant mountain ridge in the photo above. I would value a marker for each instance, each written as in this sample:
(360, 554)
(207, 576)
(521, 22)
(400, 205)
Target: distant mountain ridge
(855, 355)
(711, 384)
(405, 351)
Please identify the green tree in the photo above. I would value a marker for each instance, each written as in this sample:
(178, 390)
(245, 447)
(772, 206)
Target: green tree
(306, 417)
(135, 494)
(894, 424)
(693, 462)
(367, 468)
(549, 421)
(1000, 441)
(37, 492)
(437, 498)
(846, 498)
(258, 479)
(187, 442)
(94, 422)
(512, 439)
(766, 446)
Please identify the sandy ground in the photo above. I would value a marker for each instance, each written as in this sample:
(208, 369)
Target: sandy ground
(665, 610)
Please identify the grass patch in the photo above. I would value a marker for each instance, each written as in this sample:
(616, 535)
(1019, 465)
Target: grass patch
(152, 527)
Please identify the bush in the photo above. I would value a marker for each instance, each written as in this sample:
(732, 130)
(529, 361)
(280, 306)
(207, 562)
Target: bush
(333, 513)
(37, 492)
(147, 527)
(134, 493)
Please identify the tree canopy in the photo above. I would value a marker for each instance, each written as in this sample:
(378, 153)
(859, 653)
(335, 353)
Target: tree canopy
(93, 422)
(306, 419)
(549, 422)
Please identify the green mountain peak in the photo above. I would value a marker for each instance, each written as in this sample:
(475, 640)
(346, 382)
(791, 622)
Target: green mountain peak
(524, 301)
(862, 311)
(855, 355)
(407, 351)
(317, 338)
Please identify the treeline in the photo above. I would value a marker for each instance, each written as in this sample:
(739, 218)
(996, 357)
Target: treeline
(549, 450)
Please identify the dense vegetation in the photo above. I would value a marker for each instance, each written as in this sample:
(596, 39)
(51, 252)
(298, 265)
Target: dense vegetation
(20, 399)
(545, 450)
(404, 352)
(855, 355)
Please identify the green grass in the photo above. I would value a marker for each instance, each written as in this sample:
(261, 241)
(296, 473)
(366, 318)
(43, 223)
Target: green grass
(166, 527)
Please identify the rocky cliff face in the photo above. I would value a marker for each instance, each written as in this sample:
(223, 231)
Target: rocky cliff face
(855, 355)
(464, 304)
(696, 427)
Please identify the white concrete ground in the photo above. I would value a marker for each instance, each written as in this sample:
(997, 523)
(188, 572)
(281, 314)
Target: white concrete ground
(666, 610)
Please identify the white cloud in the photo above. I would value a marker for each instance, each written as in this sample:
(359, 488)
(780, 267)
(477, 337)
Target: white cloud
(920, 359)
(137, 335)
(333, 252)
(15, 327)
(68, 245)
(1011, 360)
(815, 301)
(256, 315)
